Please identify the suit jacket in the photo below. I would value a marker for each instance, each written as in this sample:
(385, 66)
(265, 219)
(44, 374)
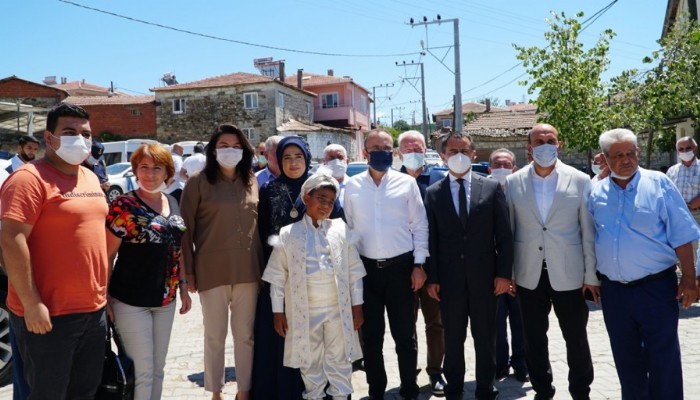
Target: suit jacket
(468, 259)
(566, 237)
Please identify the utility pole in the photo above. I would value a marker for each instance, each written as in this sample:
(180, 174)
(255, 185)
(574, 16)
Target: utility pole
(424, 125)
(374, 99)
(457, 71)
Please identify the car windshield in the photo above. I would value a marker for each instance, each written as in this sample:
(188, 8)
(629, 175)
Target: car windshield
(117, 168)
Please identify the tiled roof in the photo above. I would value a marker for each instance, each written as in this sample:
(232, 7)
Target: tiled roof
(312, 80)
(467, 108)
(81, 85)
(14, 77)
(502, 123)
(297, 126)
(105, 100)
(522, 107)
(235, 79)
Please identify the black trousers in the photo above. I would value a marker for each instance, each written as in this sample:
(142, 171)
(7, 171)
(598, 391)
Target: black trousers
(572, 313)
(457, 310)
(65, 363)
(389, 288)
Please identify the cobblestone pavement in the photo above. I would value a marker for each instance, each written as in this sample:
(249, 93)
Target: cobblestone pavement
(184, 377)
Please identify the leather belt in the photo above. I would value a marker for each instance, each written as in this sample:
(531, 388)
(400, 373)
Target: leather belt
(652, 277)
(388, 262)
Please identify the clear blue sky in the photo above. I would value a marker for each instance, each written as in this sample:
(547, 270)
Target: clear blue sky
(41, 38)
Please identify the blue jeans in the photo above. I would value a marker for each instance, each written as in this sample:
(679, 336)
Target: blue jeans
(65, 363)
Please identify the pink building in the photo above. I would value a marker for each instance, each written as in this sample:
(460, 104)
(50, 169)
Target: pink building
(341, 103)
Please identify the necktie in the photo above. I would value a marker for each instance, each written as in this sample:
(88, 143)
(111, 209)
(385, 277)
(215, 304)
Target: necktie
(462, 203)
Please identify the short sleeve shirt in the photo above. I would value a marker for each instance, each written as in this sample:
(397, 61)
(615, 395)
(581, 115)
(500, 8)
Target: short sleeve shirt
(146, 273)
(67, 244)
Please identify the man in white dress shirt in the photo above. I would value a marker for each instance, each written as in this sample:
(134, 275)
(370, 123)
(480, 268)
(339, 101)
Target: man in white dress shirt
(335, 158)
(384, 207)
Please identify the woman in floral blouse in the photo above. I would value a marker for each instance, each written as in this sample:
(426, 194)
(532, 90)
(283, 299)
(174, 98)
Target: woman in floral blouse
(145, 229)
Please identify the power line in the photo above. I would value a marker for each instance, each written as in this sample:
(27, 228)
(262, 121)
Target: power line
(207, 36)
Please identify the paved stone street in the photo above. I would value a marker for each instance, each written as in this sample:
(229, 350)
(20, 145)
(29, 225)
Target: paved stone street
(184, 369)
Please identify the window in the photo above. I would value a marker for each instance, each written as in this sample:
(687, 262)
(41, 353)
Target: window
(249, 133)
(446, 123)
(308, 109)
(250, 100)
(329, 100)
(134, 112)
(178, 106)
(280, 99)
(363, 104)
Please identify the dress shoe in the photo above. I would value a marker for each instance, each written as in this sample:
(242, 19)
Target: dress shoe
(502, 373)
(358, 365)
(539, 396)
(437, 385)
(522, 376)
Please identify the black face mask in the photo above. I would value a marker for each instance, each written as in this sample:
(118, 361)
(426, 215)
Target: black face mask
(25, 157)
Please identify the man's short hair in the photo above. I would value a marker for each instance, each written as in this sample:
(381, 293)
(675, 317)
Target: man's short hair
(24, 139)
(684, 138)
(272, 141)
(335, 147)
(375, 130)
(414, 134)
(456, 135)
(198, 148)
(502, 150)
(608, 138)
(64, 110)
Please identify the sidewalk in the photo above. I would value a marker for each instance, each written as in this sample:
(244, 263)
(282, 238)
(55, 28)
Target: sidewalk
(184, 377)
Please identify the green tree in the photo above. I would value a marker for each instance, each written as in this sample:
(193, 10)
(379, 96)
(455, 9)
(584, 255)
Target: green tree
(495, 101)
(571, 95)
(401, 125)
(647, 101)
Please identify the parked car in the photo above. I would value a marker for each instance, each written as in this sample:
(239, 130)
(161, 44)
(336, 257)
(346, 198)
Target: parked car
(433, 158)
(356, 167)
(121, 180)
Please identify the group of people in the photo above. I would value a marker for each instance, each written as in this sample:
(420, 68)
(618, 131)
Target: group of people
(303, 268)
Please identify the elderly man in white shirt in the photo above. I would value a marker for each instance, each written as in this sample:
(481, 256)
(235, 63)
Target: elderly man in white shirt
(335, 158)
(384, 207)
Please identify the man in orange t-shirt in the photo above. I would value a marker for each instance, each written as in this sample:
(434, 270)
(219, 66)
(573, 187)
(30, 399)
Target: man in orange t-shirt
(54, 247)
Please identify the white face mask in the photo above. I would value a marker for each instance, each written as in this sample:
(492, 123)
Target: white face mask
(74, 149)
(501, 174)
(337, 167)
(229, 157)
(459, 163)
(159, 189)
(545, 155)
(596, 169)
(686, 156)
(413, 161)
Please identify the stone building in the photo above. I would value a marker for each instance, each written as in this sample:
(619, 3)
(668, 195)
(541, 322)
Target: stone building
(255, 103)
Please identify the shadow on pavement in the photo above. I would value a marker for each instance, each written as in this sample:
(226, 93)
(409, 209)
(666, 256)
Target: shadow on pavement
(198, 378)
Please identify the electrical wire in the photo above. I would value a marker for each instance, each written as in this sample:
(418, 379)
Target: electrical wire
(204, 35)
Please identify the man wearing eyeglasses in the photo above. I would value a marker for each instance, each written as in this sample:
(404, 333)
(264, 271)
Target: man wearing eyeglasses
(686, 176)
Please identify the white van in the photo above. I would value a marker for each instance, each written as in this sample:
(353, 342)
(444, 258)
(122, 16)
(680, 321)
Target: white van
(118, 152)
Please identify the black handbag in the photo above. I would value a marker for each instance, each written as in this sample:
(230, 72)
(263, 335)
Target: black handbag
(118, 372)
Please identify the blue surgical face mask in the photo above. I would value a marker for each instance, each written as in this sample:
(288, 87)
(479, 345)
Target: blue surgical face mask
(381, 160)
(545, 155)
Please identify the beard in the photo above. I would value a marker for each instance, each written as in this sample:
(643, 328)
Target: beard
(24, 156)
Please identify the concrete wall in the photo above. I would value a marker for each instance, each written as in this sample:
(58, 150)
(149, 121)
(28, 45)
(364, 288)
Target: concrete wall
(319, 140)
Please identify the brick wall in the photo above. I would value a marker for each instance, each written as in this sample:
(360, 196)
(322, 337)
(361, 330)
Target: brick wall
(29, 93)
(133, 120)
